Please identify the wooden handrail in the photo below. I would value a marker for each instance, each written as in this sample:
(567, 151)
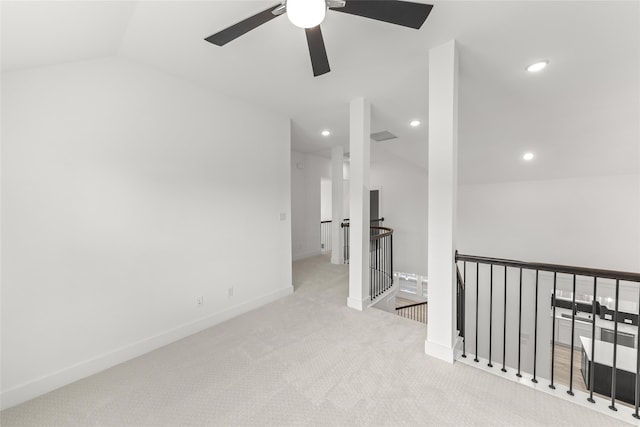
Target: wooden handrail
(387, 232)
(556, 268)
(412, 305)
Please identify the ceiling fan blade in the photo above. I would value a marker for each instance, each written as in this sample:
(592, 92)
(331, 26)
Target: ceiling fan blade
(233, 32)
(397, 12)
(317, 51)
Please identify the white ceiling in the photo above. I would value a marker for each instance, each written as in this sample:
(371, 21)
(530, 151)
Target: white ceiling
(580, 116)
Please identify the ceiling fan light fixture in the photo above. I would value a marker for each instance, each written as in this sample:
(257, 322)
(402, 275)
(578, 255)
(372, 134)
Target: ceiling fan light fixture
(306, 13)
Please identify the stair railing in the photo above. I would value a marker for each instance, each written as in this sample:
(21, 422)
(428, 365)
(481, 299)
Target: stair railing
(567, 310)
(380, 256)
(417, 311)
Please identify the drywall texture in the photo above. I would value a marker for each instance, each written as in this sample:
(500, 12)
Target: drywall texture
(127, 194)
(307, 171)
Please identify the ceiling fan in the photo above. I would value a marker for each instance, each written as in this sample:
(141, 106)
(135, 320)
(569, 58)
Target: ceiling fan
(308, 14)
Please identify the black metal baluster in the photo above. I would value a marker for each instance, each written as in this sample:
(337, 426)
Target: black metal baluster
(384, 263)
(391, 256)
(504, 326)
(553, 329)
(519, 375)
(386, 257)
(490, 312)
(371, 278)
(383, 282)
(593, 341)
(387, 265)
(573, 334)
(379, 252)
(535, 334)
(345, 243)
(635, 413)
(376, 257)
(389, 262)
(383, 269)
(615, 349)
(477, 300)
(371, 282)
(464, 300)
(464, 315)
(378, 267)
(372, 261)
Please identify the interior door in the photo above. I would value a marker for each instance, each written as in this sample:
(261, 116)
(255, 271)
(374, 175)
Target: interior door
(374, 207)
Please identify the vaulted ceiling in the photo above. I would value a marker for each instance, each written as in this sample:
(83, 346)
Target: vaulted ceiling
(580, 116)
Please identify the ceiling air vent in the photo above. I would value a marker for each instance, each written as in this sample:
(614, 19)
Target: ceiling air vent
(383, 136)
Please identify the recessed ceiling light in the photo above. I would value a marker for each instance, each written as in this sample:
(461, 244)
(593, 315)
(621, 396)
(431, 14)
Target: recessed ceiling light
(528, 156)
(534, 68)
(415, 123)
(326, 133)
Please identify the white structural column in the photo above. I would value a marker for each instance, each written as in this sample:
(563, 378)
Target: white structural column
(337, 187)
(359, 148)
(443, 160)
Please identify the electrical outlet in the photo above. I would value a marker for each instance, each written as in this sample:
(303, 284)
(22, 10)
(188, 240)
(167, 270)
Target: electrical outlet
(230, 291)
(200, 301)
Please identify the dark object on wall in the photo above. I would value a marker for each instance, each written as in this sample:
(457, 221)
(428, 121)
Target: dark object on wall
(579, 306)
(622, 317)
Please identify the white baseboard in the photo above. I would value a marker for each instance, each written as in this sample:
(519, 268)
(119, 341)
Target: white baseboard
(358, 304)
(62, 377)
(440, 351)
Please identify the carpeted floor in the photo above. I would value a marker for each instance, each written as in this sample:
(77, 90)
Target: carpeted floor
(304, 360)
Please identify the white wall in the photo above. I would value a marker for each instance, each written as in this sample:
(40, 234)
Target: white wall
(126, 195)
(307, 171)
(345, 190)
(326, 202)
(403, 204)
(590, 222)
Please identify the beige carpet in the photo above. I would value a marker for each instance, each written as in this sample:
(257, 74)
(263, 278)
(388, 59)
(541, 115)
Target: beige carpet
(304, 360)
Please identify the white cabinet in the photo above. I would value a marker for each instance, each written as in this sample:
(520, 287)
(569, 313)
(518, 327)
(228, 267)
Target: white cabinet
(563, 331)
